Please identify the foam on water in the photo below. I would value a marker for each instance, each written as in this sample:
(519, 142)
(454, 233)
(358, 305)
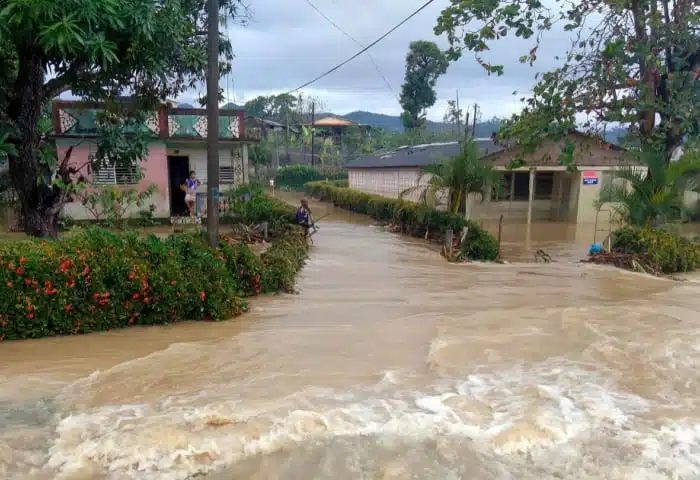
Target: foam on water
(552, 415)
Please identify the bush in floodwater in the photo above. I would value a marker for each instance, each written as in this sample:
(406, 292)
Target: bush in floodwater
(295, 176)
(412, 218)
(666, 251)
(479, 245)
(94, 280)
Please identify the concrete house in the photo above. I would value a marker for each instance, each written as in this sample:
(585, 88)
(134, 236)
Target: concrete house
(543, 189)
(178, 145)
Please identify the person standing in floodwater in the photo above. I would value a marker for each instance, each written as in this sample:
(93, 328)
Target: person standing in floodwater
(191, 185)
(304, 217)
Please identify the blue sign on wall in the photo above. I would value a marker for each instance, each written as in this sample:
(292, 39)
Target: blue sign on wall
(590, 181)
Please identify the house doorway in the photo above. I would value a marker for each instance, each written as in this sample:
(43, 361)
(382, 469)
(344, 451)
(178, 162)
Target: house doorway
(178, 171)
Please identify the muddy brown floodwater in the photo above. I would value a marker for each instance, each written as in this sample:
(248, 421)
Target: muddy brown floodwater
(390, 364)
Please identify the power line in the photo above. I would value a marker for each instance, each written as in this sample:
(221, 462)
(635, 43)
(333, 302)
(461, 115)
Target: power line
(364, 49)
(381, 74)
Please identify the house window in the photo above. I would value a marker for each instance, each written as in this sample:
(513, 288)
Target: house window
(544, 185)
(503, 194)
(522, 185)
(226, 175)
(110, 174)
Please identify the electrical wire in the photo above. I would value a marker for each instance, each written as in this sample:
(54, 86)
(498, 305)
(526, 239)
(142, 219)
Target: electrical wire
(337, 27)
(340, 65)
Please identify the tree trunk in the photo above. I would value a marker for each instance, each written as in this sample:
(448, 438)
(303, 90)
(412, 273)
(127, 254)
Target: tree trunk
(40, 203)
(41, 223)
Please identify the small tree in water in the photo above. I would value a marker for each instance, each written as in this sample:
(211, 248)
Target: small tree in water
(455, 179)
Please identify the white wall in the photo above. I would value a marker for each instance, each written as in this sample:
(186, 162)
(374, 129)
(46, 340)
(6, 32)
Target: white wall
(390, 182)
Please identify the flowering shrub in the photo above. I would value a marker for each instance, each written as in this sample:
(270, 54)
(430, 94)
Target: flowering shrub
(94, 280)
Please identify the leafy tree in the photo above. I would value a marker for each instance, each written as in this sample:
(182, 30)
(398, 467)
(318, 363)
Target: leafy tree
(455, 179)
(97, 50)
(653, 197)
(273, 107)
(425, 62)
(634, 62)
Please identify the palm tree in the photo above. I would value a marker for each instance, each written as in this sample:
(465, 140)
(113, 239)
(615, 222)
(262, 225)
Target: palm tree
(455, 179)
(655, 196)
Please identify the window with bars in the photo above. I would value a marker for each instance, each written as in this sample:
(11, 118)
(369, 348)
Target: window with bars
(110, 174)
(226, 175)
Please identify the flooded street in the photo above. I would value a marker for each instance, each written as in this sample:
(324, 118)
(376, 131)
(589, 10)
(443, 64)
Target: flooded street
(389, 364)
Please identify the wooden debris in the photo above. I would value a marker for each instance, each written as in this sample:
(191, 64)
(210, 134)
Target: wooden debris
(628, 261)
(542, 256)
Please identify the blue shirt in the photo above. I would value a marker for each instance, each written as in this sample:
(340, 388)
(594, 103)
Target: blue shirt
(302, 215)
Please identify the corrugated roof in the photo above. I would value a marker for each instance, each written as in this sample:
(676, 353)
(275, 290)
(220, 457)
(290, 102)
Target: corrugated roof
(421, 155)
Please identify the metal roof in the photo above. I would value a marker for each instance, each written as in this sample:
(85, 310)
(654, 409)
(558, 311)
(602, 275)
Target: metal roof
(421, 155)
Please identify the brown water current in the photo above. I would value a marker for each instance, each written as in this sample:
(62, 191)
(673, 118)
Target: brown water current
(389, 364)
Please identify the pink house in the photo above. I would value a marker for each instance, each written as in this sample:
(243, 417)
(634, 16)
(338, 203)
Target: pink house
(178, 146)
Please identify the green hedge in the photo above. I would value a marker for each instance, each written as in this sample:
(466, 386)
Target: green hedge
(666, 251)
(94, 280)
(295, 176)
(413, 219)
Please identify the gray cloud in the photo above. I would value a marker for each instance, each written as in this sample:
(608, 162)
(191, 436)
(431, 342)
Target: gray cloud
(287, 43)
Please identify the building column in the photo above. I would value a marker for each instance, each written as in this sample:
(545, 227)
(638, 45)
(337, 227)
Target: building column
(244, 160)
(560, 193)
(512, 190)
(530, 196)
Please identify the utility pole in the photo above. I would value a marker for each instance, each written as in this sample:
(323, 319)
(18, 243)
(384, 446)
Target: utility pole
(313, 131)
(459, 118)
(213, 122)
(466, 124)
(476, 109)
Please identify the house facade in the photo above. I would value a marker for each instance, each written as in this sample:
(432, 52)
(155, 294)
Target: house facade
(177, 146)
(542, 189)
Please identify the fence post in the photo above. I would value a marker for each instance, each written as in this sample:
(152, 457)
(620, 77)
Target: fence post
(448, 242)
(500, 228)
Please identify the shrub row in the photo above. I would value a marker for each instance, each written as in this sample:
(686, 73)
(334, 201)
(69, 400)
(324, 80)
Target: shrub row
(412, 218)
(666, 251)
(295, 176)
(94, 280)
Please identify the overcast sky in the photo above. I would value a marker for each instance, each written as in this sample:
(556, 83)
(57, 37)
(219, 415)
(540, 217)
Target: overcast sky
(287, 43)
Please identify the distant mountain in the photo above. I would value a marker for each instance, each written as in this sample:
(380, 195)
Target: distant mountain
(393, 123)
(483, 129)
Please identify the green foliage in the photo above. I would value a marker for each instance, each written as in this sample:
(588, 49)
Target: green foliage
(280, 108)
(425, 62)
(652, 197)
(295, 176)
(93, 280)
(260, 153)
(666, 251)
(97, 50)
(258, 208)
(412, 218)
(457, 178)
(479, 245)
(111, 204)
(635, 63)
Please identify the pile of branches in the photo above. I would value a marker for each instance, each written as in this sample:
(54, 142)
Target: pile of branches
(247, 233)
(628, 261)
